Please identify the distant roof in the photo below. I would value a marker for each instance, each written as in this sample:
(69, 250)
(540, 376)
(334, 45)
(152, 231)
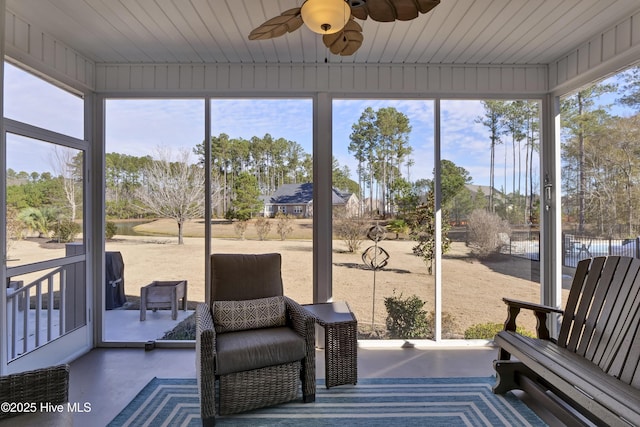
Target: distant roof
(344, 194)
(297, 194)
(483, 188)
(293, 194)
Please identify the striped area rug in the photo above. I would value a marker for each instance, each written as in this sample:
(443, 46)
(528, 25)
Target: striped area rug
(372, 402)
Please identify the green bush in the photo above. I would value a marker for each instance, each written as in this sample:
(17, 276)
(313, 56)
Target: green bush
(406, 318)
(489, 330)
(398, 226)
(110, 229)
(65, 231)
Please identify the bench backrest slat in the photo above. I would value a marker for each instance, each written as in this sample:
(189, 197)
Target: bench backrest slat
(584, 302)
(616, 312)
(601, 321)
(623, 363)
(611, 279)
(577, 284)
(630, 372)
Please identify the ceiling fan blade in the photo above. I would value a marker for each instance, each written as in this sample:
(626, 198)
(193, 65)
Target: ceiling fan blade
(287, 22)
(346, 41)
(392, 10)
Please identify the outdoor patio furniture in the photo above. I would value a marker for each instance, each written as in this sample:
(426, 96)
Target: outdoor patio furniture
(254, 342)
(114, 295)
(24, 392)
(593, 364)
(340, 341)
(163, 294)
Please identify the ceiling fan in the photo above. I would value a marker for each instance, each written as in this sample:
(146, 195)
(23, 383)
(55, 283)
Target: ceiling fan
(334, 19)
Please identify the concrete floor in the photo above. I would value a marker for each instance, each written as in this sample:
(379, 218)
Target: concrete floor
(109, 378)
(125, 325)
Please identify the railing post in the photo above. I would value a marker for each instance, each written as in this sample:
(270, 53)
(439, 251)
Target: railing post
(61, 305)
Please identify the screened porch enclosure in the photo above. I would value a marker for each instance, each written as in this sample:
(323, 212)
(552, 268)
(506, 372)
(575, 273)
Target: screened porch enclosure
(105, 55)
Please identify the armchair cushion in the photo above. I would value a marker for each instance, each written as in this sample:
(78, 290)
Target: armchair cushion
(229, 316)
(257, 348)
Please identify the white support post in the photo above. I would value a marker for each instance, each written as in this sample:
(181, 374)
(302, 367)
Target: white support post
(437, 183)
(551, 220)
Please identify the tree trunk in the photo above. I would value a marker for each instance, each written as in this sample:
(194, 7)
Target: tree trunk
(491, 175)
(582, 179)
(180, 239)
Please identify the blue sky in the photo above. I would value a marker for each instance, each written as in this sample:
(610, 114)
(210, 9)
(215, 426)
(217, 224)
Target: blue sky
(139, 127)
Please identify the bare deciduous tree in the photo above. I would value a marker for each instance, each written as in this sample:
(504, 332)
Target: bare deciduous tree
(67, 165)
(14, 230)
(173, 189)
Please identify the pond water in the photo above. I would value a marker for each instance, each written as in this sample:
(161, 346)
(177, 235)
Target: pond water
(125, 228)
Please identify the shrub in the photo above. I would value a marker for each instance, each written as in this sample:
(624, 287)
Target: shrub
(352, 231)
(398, 226)
(185, 330)
(284, 225)
(240, 228)
(486, 331)
(110, 230)
(65, 231)
(263, 227)
(486, 232)
(448, 325)
(423, 231)
(405, 317)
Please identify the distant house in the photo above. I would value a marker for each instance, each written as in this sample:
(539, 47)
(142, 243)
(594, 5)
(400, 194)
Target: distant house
(351, 203)
(297, 200)
(485, 190)
(267, 207)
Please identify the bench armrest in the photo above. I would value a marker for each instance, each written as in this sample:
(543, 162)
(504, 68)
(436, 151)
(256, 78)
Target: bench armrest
(539, 310)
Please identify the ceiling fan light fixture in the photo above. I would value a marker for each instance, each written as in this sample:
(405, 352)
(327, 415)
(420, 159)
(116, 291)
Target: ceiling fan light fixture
(325, 16)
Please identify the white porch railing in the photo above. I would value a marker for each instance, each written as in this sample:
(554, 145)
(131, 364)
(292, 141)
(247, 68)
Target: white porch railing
(29, 328)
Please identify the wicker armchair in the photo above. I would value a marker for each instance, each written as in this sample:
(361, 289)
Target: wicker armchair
(47, 385)
(258, 345)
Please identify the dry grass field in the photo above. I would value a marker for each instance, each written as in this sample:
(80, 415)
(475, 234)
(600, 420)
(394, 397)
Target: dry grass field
(472, 289)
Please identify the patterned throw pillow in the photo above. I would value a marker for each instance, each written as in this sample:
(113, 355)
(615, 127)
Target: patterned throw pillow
(229, 316)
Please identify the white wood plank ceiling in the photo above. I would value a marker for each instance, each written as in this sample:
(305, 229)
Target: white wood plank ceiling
(492, 32)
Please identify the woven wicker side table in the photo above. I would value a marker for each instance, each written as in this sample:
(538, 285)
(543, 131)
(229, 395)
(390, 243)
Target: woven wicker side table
(340, 341)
